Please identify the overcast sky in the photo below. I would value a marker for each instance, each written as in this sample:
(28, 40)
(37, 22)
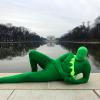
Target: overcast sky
(48, 17)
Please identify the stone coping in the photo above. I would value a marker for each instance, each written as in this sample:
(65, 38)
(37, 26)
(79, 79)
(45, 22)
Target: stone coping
(94, 83)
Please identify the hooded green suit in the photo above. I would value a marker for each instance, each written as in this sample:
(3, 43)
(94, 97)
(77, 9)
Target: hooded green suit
(64, 68)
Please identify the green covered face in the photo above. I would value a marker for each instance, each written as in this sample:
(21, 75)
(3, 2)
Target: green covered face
(81, 53)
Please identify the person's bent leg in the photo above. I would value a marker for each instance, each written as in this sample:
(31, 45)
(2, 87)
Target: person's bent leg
(36, 57)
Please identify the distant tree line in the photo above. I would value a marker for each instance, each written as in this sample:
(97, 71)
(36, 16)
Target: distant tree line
(83, 33)
(9, 33)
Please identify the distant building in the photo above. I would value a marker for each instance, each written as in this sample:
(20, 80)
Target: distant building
(8, 24)
(51, 38)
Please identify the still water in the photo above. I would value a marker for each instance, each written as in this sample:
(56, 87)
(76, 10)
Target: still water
(15, 58)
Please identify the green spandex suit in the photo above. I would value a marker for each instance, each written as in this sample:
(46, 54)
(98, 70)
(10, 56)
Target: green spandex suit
(64, 68)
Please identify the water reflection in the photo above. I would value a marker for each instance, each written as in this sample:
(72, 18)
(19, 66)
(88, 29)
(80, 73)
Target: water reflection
(16, 49)
(50, 44)
(14, 57)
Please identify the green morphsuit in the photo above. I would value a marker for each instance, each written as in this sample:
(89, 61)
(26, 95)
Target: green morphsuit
(80, 55)
(65, 67)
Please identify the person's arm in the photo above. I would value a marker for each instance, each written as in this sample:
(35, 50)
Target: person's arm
(62, 57)
(84, 79)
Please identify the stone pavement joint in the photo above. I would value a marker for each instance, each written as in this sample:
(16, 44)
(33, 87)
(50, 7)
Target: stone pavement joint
(10, 94)
(96, 93)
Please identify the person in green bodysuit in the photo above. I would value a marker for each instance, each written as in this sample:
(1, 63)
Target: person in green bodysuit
(63, 68)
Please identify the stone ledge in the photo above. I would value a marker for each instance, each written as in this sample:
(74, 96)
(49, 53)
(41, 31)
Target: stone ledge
(94, 83)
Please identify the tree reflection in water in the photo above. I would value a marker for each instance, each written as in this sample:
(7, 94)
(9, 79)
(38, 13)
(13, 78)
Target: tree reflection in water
(9, 50)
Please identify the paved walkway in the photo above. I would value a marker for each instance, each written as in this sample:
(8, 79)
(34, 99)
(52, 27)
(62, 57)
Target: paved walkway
(51, 90)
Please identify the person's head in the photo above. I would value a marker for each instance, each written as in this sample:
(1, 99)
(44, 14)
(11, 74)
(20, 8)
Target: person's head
(81, 53)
